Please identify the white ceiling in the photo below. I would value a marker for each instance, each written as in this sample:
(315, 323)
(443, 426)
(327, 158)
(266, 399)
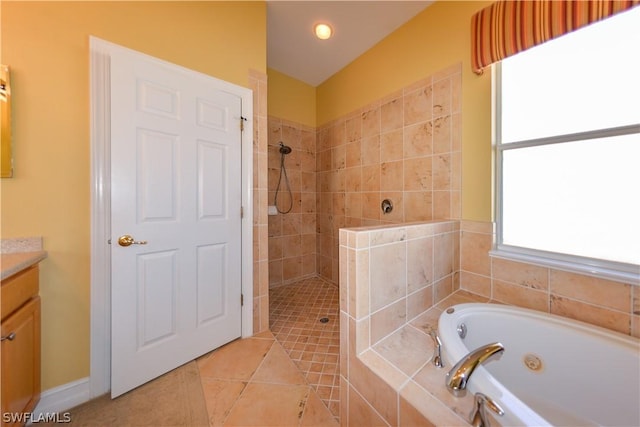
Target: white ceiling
(358, 25)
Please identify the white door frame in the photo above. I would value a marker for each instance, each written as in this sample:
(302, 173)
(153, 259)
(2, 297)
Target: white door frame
(100, 358)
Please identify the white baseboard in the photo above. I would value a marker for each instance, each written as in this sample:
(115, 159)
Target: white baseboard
(64, 397)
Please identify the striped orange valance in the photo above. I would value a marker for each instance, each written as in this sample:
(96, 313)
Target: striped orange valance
(508, 27)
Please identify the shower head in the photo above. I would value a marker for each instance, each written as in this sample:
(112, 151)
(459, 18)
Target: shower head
(284, 149)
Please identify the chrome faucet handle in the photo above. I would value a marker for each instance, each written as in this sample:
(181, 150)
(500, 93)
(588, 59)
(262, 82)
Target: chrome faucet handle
(437, 351)
(457, 378)
(478, 416)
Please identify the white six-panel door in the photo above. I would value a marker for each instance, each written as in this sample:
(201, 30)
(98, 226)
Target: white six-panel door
(176, 190)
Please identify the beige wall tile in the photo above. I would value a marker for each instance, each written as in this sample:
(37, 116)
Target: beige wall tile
(419, 301)
(391, 114)
(601, 292)
(418, 140)
(387, 235)
(370, 122)
(275, 272)
(588, 313)
(381, 367)
(442, 97)
(411, 417)
(418, 174)
(418, 105)
(292, 245)
(441, 167)
(480, 285)
(474, 252)
(374, 390)
(392, 176)
(344, 343)
(442, 206)
(443, 253)
(391, 146)
(419, 263)
(371, 178)
(442, 288)
(388, 274)
(476, 226)
(427, 404)
(387, 320)
(528, 275)
(291, 269)
(442, 135)
(360, 413)
(383, 150)
(371, 205)
(362, 335)
(353, 129)
(520, 296)
(362, 285)
(418, 206)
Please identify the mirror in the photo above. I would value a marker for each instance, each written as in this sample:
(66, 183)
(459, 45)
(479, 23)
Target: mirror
(6, 156)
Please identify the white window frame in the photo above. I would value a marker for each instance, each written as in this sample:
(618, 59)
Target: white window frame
(617, 271)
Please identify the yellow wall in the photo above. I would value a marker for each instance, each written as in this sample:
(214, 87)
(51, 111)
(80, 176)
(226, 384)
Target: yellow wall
(46, 44)
(291, 99)
(433, 40)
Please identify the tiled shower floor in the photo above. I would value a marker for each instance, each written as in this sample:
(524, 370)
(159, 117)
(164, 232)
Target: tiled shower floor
(295, 313)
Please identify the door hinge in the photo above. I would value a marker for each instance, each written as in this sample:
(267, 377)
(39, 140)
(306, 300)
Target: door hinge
(241, 211)
(242, 120)
(241, 299)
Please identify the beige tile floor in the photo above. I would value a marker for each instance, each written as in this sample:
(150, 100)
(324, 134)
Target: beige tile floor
(286, 378)
(295, 313)
(253, 382)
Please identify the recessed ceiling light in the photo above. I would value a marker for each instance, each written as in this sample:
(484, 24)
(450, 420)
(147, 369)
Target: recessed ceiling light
(323, 31)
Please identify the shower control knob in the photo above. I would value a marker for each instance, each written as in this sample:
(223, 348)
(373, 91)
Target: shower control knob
(386, 206)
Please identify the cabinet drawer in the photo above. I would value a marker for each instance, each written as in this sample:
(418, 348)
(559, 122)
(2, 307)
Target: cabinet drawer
(18, 289)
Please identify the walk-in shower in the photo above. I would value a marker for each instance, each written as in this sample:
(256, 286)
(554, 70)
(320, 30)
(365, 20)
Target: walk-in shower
(284, 150)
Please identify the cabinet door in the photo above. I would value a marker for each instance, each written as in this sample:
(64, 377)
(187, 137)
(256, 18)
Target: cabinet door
(20, 359)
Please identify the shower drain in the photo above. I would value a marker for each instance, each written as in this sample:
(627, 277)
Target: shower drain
(324, 320)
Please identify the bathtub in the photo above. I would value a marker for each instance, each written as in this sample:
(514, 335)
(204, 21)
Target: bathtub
(553, 371)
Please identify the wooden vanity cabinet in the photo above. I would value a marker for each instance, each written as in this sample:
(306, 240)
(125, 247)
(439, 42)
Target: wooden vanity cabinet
(20, 346)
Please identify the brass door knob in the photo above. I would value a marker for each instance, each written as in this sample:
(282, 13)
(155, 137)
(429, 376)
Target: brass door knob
(127, 240)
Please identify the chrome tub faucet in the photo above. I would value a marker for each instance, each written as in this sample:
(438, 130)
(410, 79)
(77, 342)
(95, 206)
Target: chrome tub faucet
(457, 377)
(478, 417)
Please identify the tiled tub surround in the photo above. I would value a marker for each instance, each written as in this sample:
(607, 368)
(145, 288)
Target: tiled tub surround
(292, 236)
(405, 147)
(389, 277)
(387, 377)
(601, 302)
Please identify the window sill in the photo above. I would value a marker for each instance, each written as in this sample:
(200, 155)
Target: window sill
(602, 271)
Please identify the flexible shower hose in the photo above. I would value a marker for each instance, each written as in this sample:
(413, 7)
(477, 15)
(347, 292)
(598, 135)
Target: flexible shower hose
(283, 170)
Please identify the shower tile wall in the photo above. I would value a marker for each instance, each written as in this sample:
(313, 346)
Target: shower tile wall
(292, 236)
(258, 84)
(405, 147)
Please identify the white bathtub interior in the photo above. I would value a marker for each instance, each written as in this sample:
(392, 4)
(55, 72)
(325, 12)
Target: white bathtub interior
(554, 371)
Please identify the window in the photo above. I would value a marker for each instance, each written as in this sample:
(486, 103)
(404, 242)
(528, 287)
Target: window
(567, 131)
